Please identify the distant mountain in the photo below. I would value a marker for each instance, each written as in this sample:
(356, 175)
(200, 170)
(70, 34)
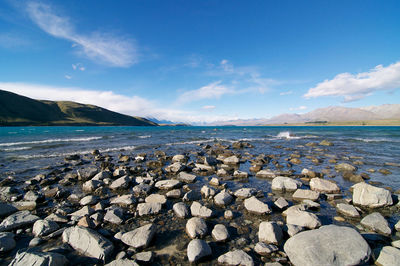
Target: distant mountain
(327, 114)
(17, 110)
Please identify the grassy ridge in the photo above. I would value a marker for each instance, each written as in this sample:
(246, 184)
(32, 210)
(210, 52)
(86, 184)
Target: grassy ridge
(17, 110)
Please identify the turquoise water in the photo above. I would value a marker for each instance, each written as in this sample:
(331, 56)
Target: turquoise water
(26, 151)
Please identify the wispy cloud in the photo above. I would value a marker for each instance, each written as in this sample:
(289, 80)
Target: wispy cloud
(211, 91)
(286, 93)
(130, 105)
(11, 41)
(98, 46)
(208, 107)
(300, 108)
(78, 66)
(357, 86)
(68, 77)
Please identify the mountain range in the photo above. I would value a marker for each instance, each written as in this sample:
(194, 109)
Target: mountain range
(332, 114)
(17, 110)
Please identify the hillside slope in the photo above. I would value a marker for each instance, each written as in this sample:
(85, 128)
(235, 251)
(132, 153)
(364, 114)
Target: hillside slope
(17, 110)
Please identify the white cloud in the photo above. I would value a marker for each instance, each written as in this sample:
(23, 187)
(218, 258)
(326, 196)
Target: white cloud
(286, 93)
(210, 91)
(97, 46)
(78, 66)
(208, 107)
(130, 105)
(300, 108)
(357, 86)
(68, 77)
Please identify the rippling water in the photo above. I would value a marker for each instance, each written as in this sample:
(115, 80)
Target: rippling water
(24, 151)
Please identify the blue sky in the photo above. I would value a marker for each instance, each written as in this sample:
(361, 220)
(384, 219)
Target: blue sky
(203, 61)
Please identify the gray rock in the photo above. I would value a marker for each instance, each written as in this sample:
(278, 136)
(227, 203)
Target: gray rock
(240, 174)
(201, 211)
(175, 167)
(25, 205)
(87, 173)
(265, 174)
(347, 210)
(148, 208)
(322, 185)
(283, 183)
(156, 198)
(33, 196)
(228, 214)
(181, 210)
(370, 196)
(120, 183)
(84, 211)
(270, 233)
(254, 205)
(311, 204)
(328, 245)
(389, 256)
(168, 184)
(142, 189)
(376, 222)
(281, 203)
(145, 257)
(124, 200)
(7, 209)
(244, 193)
(18, 220)
(88, 242)
(292, 229)
(397, 226)
(186, 177)
(88, 200)
(122, 262)
(92, 185)
(301, 194)
(223, 198)
(7, 241)
(198, 249)
(114, 215)
(196, 227)
(303, 219)
(207, 192)
(44, 227)
(232, 160)
(220, 233)
(174, 194)
(140, 237)
(179, 158)
(345, 167)
(58, 218)
(265, 249)
(39, 259)
(236, 257)
(36, 241)
(191, 195)
(102, 175)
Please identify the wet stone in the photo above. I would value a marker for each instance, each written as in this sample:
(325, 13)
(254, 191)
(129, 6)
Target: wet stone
(18, 220)
(148, 208)
(140, 237)
(198, 249)
(301, 194)
(376, 222)
(264, 249)
(196, 227)
(254, 205)
(388, 256)
(245, 193)
(281, 203)
(38, 258)
(236, 257)
(347, 210)
(270, 233)
(201, 211)
(181, 210)
(44, 227)
(220, 233)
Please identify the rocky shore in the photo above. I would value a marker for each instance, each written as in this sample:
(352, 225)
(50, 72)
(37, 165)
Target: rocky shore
(197, 207)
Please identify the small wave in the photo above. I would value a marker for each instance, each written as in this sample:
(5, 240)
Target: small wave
(79, 130)
(48, 141)
(144, 137)
(376, 140)
(17, 149)
(287, 135)
(199, 141)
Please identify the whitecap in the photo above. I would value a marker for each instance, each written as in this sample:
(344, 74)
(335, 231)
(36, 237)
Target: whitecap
(48, 141)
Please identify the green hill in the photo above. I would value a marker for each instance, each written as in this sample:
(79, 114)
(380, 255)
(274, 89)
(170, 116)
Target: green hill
(17, 110)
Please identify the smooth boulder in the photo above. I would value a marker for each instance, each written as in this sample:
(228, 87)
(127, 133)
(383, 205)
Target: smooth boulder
(198, 249)
(370, 196)
(236, 257)
(140, 237)
(39, 259)
(322, 185)
(376, 222)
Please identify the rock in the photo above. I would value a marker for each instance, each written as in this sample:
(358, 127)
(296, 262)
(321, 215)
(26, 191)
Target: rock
(265, 249)
(308, 173)
(228, 214)
(87, 222)
(347, 210)
(44, 227)
(396, 244)
(87, 173)
(122, 262)
(199, 210)
(148, 208)
(214, 182)
(301, 194)
(328, 245)
(6, 209)
(311, 204)
(254, 205)
(174, 194)
(281, 203)
(179, 158)
(38, 258)
(223, 198)
(88, 200)
(168, 184)
(121, 183)
(370, 196)
(236, 257)
(124, 200)
(36, 241)
(222, 172)
(245, 193)
(92, 185)
(114, 215)
(220, 233)
(231, 160)
(303, 219)
(175, 168)
(376, 222)
(7, 241)
(322, 185)
(191, 195)
(397, 226)
(58, 218)
(196, 227)
(140, 237)
(156, 198)
(207, 191)
(270, 232)
(142, 189)
(18, 220)
(88, 242)
(33, 196)
(102, 175)
(198, 249)
(265, 174)
(345, 167)
(240, 174)
(388, 256)
(25, 205)
(292, 229)
(181, 210)
(186, 177)
(144, 257)
(284, 183)
(326, 143)
(82, 212)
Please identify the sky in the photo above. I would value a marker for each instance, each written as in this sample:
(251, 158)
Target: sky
(203, 61)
